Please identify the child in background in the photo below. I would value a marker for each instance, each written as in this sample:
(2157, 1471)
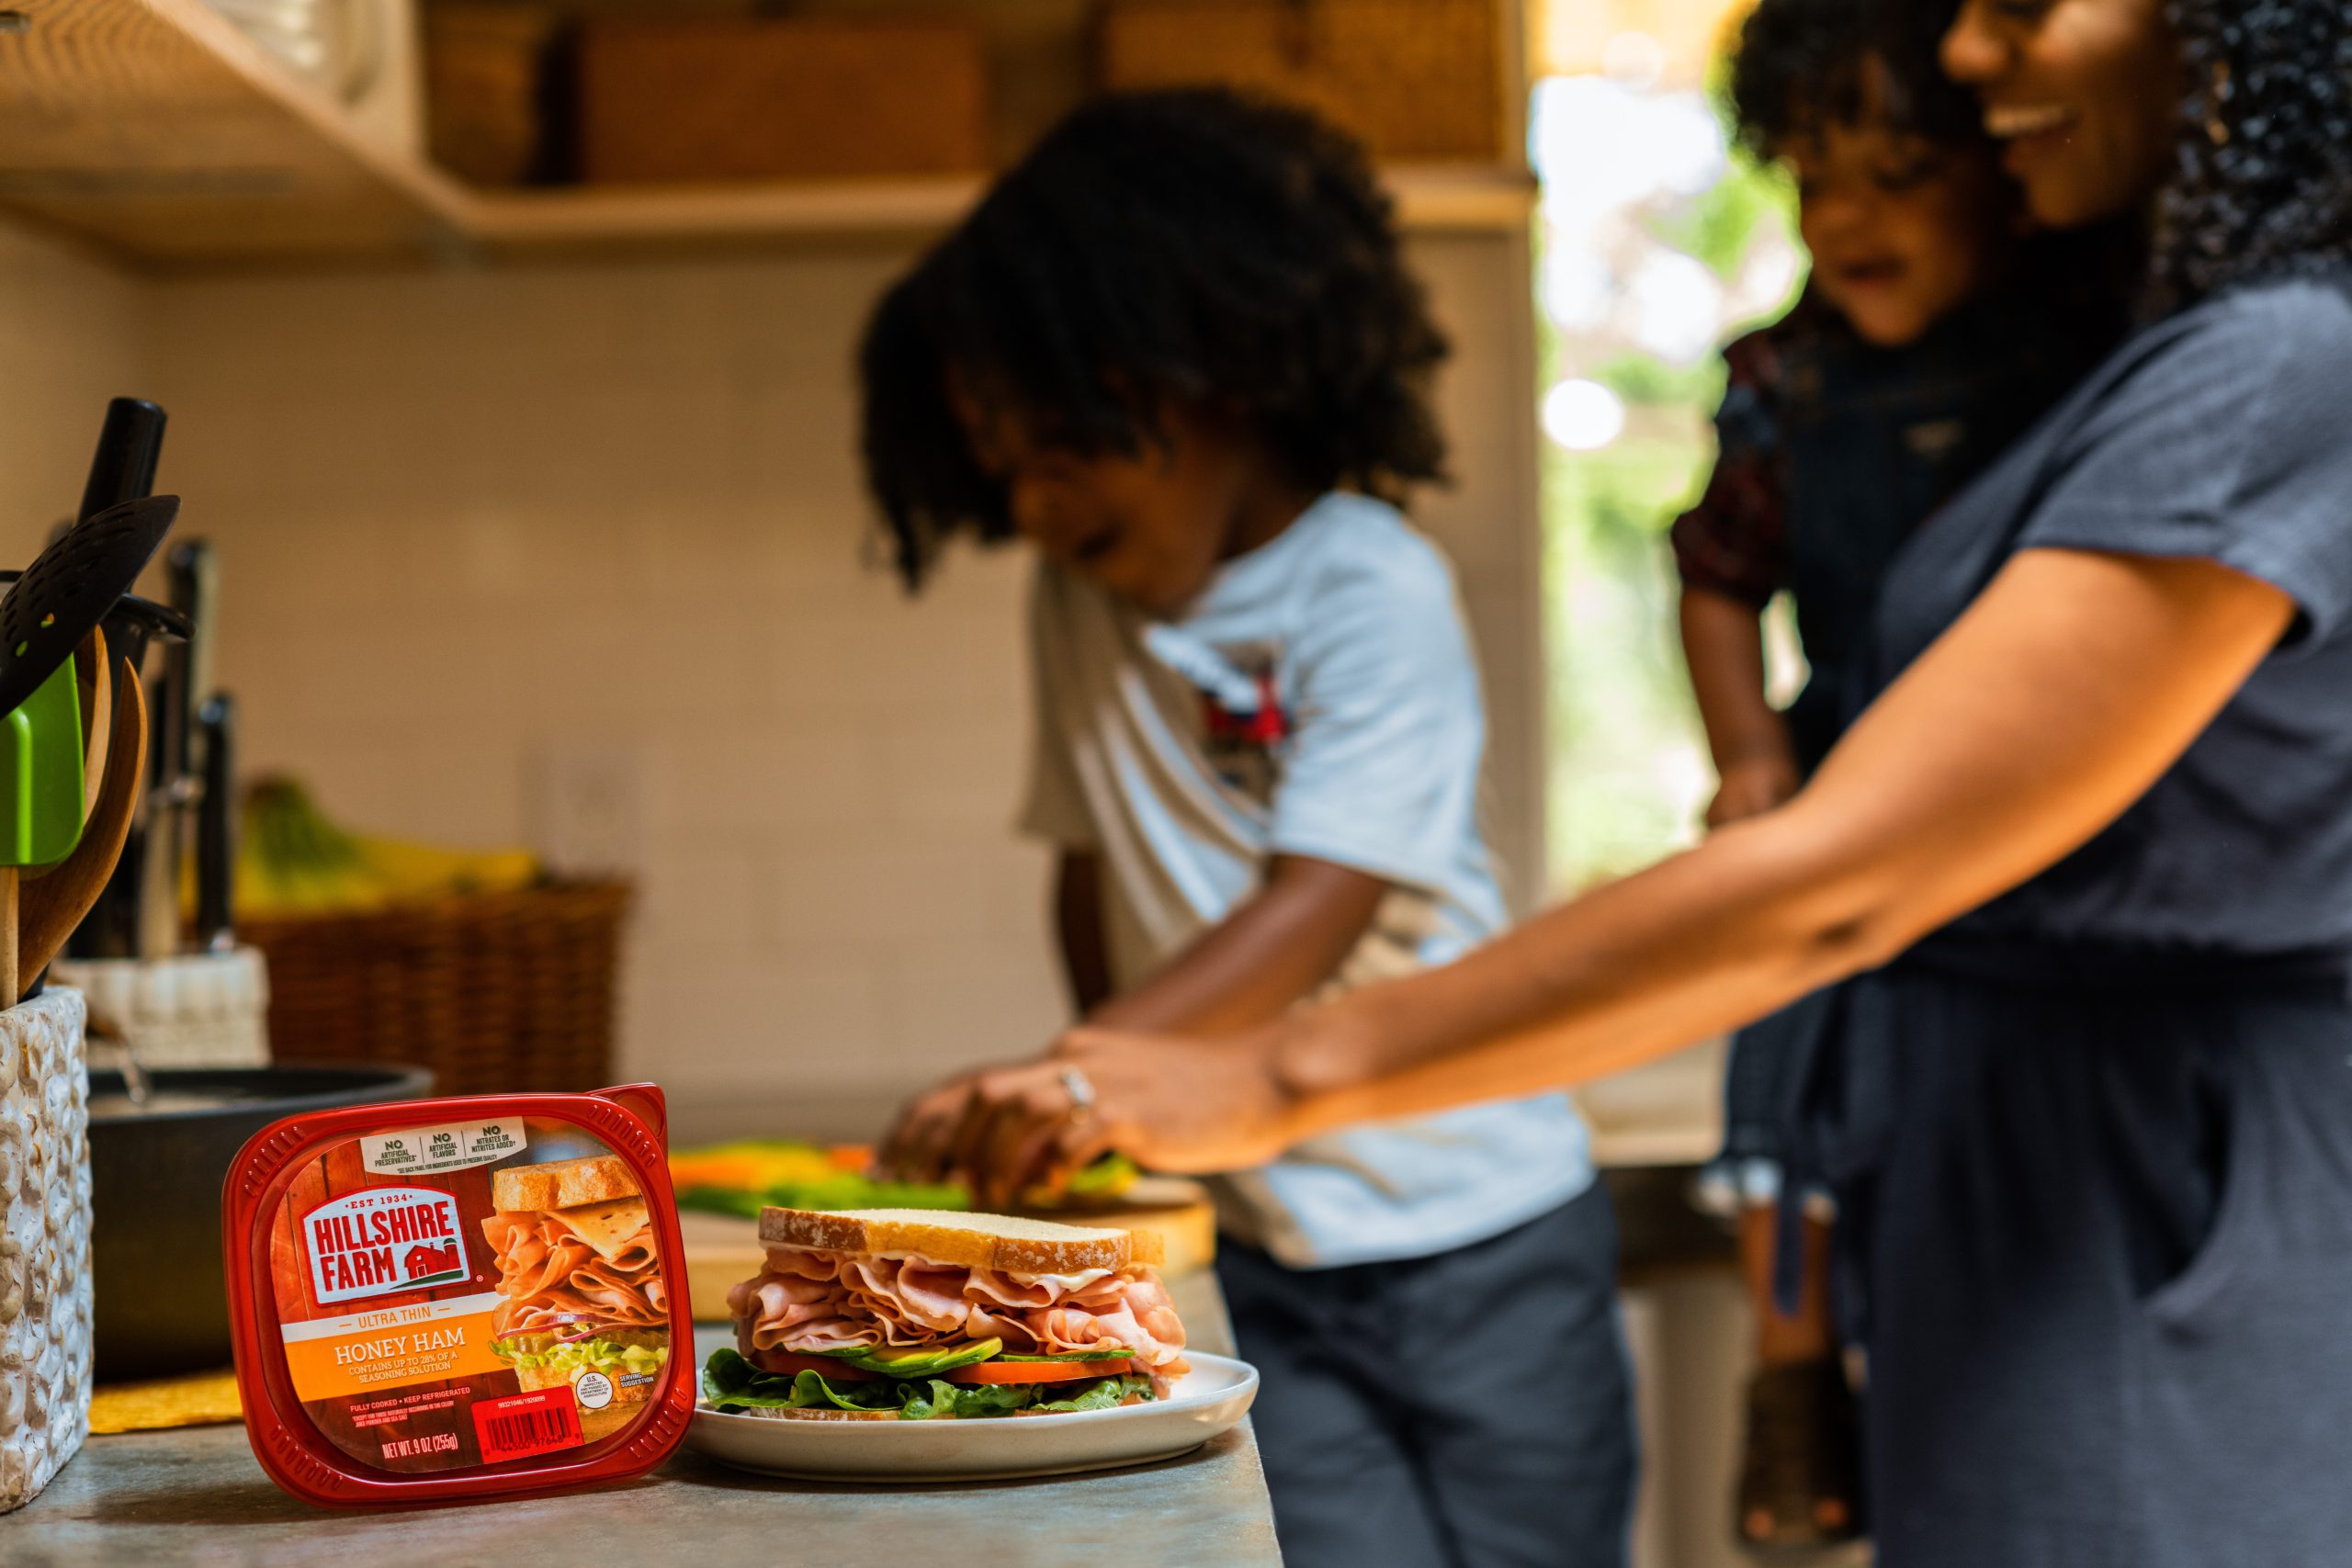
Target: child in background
(1178, 349)
(1929, 336)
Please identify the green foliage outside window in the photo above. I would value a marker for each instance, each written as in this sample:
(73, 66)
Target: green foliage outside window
(1629, 767)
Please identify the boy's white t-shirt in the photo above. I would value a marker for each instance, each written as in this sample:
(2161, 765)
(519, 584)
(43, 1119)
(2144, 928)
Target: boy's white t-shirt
(1319, 699)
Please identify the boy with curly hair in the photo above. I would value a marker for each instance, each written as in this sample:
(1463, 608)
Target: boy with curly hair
(1178, 350)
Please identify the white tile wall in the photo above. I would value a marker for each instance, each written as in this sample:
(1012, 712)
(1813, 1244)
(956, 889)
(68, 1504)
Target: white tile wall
(471, 521)
(72, 335)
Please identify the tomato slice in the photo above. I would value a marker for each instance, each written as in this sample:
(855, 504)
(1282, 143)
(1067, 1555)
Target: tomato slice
(786, 1363)
(1035, 1371)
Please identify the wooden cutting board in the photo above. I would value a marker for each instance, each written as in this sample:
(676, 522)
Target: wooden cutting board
(723, 1250)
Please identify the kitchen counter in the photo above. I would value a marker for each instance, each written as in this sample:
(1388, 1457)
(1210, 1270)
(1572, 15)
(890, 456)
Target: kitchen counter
(197, 1496)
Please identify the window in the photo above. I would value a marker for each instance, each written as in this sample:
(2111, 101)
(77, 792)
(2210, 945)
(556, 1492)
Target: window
(1656, 246)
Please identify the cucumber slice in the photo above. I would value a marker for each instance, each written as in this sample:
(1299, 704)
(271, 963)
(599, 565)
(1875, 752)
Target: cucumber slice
(917, 1361)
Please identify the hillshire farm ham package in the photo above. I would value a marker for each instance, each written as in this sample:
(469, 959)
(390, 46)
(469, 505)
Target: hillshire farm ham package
(454, 1298)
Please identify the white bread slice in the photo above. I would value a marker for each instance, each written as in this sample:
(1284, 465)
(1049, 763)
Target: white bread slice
(971, 1241)
(562, 1184)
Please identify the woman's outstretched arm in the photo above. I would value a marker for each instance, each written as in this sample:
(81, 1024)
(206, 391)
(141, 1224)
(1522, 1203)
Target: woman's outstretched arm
(2069, 687)
(2075, 683)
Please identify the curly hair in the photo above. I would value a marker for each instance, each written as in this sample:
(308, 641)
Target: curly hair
(1803, 66)
(2264, 181)
(1193, 247)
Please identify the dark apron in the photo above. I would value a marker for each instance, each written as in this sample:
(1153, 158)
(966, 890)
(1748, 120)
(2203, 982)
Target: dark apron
(2096, 1212)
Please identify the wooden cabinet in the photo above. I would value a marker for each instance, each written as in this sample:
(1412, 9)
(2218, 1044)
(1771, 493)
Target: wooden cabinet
(155, 131)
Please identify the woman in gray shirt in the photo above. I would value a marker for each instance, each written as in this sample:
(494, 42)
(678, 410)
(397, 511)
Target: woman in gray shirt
(2085, 860)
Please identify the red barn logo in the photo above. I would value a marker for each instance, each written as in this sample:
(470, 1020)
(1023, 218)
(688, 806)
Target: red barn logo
(422, 1261)
(381, 1241)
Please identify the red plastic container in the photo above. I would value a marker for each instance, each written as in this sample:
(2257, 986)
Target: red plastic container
(446, 1299)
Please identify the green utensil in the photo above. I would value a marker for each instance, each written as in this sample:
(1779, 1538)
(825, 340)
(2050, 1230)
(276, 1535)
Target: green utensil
(41, 773)
(41, 796)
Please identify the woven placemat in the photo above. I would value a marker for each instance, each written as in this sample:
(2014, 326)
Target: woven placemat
(198, 1399)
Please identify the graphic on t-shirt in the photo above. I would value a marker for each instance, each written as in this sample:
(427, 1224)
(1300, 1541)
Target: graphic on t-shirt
(1243, 721)
(1261, 726)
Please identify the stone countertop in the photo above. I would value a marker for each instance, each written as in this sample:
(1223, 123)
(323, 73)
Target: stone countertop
(197, 1496)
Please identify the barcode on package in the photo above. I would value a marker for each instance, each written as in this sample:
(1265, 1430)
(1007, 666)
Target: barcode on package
(521, 1425)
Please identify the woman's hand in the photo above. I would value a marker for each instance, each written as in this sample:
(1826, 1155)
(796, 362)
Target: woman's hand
(1166, 1101)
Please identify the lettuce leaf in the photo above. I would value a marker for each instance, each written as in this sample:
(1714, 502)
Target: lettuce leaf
(732, 1385)
(843, 1191)
(1103, 1393)
(980, 1401)
(1106, 1178)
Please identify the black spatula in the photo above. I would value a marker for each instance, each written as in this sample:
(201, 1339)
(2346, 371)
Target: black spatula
(71, 586)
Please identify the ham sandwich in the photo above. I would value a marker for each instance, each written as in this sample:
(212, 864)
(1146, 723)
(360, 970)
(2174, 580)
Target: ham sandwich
(1081, 1296)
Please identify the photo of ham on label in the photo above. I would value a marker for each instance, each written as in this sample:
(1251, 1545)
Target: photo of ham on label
(583, 1304)
(441, 1296)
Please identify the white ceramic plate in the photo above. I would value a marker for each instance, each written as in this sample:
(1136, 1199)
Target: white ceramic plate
(1207, 1400)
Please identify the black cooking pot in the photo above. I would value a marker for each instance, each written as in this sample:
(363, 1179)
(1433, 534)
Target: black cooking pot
(155, 1179)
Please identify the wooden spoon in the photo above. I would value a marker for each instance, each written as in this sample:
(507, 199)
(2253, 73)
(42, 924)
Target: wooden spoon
(49, 910)
(94, 671)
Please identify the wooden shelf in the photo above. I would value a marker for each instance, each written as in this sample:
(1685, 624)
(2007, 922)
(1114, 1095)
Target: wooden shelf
(157, 132)
(594, 220)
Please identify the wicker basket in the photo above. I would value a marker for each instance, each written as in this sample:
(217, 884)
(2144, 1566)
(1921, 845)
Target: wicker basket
(1416, 79)
(495, 992)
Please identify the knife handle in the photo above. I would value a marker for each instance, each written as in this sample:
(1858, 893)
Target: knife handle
(194, 572)
(215, 828)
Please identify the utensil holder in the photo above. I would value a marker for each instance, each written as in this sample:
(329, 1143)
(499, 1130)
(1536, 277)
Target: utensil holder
(197, 1010)
(44, 1243)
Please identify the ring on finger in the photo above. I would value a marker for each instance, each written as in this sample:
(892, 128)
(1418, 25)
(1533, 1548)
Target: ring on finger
(1080, 1090)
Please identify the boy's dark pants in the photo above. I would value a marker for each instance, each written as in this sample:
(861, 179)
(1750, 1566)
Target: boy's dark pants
(1470, 1410)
